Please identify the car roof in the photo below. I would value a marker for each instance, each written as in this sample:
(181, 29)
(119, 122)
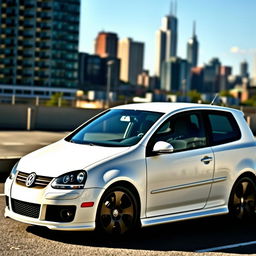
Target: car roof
(168, 107)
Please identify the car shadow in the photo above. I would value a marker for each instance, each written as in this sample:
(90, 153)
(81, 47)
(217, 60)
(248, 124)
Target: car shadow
(191, 235)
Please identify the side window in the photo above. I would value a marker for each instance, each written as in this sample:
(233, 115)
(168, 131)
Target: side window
(183, 132)
(224, 128)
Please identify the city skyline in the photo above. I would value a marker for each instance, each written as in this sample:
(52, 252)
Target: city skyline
(224, 29)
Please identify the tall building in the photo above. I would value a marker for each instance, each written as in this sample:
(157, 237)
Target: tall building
(211, 76)
(93, 72)
(192, 48)
(39, 42)
(106, 45)
(244, 69)
(197, 78)
(131, 55)
(166, 39)
(225, 72)
(174, 76)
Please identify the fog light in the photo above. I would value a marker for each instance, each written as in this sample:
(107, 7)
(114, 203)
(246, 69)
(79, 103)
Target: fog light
(66, 215)
(60, 213)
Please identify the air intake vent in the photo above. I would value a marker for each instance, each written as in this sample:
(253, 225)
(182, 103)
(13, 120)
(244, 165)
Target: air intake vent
(25, 209)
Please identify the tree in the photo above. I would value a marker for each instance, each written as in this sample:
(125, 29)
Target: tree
(194, 96)
(56, 100)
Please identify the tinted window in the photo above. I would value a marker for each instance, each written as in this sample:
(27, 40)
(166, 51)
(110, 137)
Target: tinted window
(183, 132)
(224, 128)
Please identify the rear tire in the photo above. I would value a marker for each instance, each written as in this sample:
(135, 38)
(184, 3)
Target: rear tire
(118, 212)
(242, 202)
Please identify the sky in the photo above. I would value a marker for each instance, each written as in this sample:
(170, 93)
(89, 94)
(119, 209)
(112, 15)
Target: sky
(225, 28)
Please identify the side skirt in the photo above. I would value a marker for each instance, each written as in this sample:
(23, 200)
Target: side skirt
(183, 216)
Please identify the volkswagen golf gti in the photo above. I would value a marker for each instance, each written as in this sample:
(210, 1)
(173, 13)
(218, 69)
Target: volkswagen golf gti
(139, 165)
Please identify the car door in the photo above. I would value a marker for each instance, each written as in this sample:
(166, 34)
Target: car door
(179, 181)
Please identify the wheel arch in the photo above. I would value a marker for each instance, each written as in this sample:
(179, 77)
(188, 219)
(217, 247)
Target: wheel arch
(245, 174)
(129, 186)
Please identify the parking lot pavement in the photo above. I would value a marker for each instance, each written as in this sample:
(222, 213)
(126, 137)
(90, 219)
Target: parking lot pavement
(185, 238)
(208, 236)
(15, 144)
(19, 143)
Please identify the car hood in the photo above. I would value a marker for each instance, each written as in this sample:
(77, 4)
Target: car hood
(62, 156)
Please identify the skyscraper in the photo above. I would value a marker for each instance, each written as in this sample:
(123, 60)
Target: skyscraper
(192, 48)
(131, 54)
(166, 39)
(174, 75)
(39, 42)
(106, 45)
(244, 69)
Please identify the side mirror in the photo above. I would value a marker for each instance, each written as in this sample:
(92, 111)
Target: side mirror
(162, 147)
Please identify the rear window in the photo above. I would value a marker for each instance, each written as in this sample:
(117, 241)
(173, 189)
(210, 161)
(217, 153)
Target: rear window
(224, 128)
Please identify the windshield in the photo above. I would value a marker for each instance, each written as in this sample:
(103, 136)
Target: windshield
(116, 128)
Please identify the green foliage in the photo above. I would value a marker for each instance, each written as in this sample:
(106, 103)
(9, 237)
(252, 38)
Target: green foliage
(54, 100)
(194, 95)
(226, 94)
(251, 101)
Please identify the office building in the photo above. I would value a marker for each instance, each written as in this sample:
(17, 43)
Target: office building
(166, 40)
(196, 78)
(244, 69)
(144, 79)
(93, 72)
(131, 55)
(225, 72)
(106, 45)
(174, 76)
(39, 43)
(211, 76)
(192, 49)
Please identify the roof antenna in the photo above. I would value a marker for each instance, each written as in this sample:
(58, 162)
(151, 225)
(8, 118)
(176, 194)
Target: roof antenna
(215, 97)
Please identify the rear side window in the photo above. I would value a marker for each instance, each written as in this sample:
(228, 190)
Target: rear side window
(224, 128)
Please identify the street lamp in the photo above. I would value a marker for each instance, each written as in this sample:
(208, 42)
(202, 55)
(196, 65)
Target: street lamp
(110, 65)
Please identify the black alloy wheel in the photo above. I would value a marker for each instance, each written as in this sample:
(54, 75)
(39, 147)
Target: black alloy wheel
(242, 202)
(118, 212)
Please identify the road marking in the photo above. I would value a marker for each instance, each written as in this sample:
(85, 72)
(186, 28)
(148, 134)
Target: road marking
(12, 143)
(214, 249)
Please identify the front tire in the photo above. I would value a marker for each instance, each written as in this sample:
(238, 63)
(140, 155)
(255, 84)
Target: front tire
(242, 202)
(118, 211)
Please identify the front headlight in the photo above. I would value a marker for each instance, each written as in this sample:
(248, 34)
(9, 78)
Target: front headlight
(13, 171)
(71, 180)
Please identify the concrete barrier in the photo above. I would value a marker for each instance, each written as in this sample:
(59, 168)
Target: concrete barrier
(16, 117)
(65, 119)
(13, 117)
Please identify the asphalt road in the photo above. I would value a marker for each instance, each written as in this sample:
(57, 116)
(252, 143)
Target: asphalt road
(181, 238)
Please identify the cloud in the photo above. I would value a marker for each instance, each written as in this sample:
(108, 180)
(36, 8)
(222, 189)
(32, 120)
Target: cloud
(238, 50)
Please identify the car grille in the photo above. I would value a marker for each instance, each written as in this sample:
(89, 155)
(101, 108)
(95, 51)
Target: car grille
(25, 209)
(40, 182)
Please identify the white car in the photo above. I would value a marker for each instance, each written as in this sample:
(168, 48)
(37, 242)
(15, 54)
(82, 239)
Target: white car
(139, 165)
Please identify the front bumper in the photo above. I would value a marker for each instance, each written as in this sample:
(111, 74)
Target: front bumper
(35, 206)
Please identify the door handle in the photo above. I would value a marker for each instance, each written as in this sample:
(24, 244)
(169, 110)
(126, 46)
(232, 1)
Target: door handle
(206, 159)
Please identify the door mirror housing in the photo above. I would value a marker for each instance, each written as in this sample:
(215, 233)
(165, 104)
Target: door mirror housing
(162, 147)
